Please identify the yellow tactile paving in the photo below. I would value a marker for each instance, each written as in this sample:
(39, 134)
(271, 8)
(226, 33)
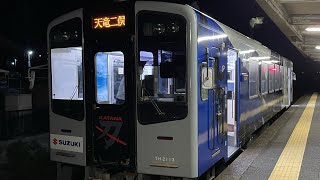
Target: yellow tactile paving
(290, 160)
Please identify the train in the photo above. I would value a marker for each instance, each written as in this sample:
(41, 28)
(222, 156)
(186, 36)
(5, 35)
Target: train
(157, 88)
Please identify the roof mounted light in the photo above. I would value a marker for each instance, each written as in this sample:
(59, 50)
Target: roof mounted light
(313, 29)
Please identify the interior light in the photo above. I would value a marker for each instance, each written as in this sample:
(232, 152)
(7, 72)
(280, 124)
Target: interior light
(271, 62)
(313, 29)
(206, 38)
(317, 47)
(247, 51)
(260, 58)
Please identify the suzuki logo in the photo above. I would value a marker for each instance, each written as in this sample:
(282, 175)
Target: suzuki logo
(55, 141)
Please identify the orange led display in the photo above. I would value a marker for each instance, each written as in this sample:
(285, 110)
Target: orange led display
(109, 22)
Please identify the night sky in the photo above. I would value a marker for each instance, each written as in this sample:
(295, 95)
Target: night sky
(24, 25)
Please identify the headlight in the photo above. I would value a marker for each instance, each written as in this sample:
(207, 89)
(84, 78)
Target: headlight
(159, 29)
(173, 28)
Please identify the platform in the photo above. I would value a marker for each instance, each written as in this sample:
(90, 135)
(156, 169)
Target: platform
(288, 149)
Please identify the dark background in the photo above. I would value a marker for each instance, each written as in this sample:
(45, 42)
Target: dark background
(24, 25)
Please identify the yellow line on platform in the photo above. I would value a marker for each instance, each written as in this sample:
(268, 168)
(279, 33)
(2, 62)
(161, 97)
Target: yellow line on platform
(290, 160)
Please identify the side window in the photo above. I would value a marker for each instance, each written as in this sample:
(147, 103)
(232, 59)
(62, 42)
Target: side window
(264, 78)
(271, 71)
(253, 78)
(204, 92)
(110, 79)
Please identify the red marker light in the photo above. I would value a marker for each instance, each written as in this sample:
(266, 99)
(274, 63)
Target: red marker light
(273, 69)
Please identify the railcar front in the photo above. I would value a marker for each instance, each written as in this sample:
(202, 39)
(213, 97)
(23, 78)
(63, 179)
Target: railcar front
(91, 67)
(167, 90)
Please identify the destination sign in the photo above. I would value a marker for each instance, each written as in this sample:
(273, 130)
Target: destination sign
(108, 22)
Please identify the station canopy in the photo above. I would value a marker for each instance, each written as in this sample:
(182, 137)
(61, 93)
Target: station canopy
(299, 20)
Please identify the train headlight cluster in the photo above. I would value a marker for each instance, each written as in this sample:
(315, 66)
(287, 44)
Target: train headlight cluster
(160, 29)
(66, 36)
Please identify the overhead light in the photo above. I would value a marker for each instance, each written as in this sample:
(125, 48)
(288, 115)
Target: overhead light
(206, 38)
(247, 51)
(30, 52)
(313, 29)
(256, 21)
(260, 58)
(271, 62)
(317, 47)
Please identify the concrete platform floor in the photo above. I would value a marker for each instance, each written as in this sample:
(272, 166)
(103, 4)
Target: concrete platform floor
(257, 162)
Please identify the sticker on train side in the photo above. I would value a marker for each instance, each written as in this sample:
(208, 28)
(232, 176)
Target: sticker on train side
(66, 143)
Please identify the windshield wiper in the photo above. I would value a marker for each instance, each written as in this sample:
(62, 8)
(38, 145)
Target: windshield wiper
(74, 92)
(155, 105)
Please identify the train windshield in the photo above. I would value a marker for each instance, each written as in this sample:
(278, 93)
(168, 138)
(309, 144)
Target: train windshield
(67, 92)
(66, 70)
(162, 67)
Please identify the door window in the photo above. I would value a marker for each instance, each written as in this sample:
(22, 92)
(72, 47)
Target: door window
(110, 79)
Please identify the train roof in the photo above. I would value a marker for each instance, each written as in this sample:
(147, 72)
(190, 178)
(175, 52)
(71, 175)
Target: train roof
(251, 42)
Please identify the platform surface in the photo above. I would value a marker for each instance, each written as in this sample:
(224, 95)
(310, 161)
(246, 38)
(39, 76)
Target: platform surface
(288, 149)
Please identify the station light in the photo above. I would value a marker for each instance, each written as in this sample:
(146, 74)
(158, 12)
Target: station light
(318, 47)
(313, 29)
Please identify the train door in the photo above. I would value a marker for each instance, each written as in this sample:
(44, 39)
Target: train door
(289, 76)
(111, 106)
(286, 99)
(232, 57)
(213, 90)
(219, 94)
(109, 82)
